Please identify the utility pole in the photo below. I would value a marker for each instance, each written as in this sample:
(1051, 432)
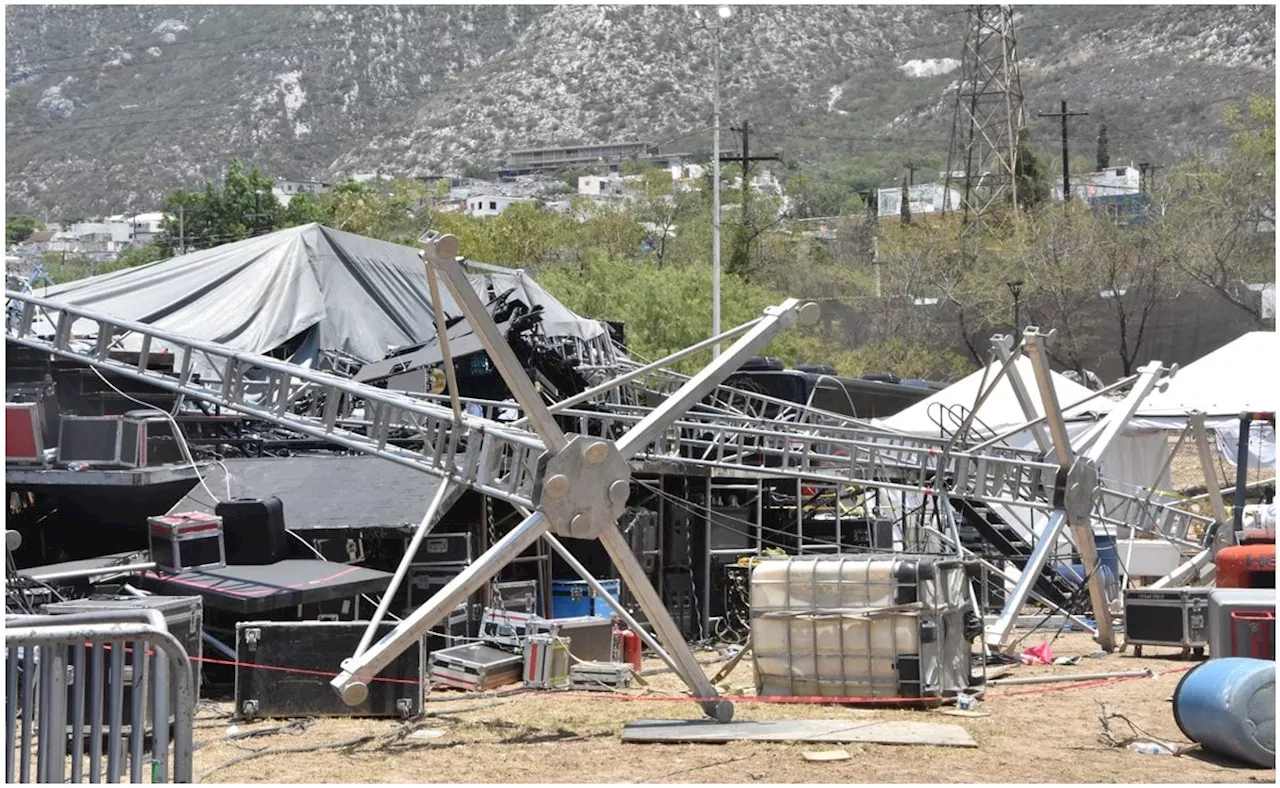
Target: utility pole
(182, 234)
(911, 172)
(875, 261)
(745, 159)
(1066, 164)
(257, 216)
(715, 189)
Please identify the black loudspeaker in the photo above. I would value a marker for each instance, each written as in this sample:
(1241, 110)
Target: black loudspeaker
(254, 531)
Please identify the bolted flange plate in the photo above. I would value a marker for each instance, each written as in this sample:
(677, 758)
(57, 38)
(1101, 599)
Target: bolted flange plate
(584, 487)
(1082, 483)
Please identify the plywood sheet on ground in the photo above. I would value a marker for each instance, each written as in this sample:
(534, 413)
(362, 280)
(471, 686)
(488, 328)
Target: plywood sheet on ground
(877, 732)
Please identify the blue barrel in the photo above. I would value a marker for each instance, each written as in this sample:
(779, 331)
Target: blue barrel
(1075, 574)
(1108, 554)
(1228, 707)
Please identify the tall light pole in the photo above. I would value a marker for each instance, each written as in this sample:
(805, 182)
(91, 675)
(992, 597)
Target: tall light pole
(1015, 287)
(724, 13)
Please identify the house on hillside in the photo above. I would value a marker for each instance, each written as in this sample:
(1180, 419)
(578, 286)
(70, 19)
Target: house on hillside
(1111, 182)
(923, 198)
(145, 227)
(600, 185)
(285, 189)
(34, 246)
(1129, 210)
(491, 204)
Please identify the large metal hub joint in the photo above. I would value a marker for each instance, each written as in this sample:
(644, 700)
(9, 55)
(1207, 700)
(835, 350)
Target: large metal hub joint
(583, 487)
(1082, 483)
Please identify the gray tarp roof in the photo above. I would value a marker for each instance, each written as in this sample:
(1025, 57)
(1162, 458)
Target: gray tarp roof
(358, 296)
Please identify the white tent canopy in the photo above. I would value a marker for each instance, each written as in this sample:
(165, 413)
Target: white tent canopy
(1000, 411)
(1239, 377)
(1236, 378)
(1134, 459)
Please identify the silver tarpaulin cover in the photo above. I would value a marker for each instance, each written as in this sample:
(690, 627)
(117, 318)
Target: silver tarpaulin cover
(322, 291)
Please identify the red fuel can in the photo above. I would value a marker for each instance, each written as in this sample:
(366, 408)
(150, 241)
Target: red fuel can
(629, 647)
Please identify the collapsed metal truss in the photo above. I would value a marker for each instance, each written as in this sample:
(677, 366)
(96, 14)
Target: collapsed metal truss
(577, 484)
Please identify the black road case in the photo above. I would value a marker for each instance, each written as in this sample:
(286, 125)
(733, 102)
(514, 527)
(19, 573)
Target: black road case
(285, 667)
(1176, 617)
(184, 616)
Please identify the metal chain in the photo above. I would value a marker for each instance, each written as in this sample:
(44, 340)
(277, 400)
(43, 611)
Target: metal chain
(695, 600)
(496, 591)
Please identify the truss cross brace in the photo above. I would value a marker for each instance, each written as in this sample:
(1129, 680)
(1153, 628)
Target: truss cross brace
(582, 486)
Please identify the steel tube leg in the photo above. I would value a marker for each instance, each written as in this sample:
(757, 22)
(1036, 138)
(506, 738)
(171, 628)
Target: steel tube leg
(686, 666)
(600, 591)
(998, 633)
(351, 683)
(424, 528)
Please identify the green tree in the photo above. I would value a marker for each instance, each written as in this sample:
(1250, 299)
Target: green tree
(19, 228)
(396, 211)
(1224, 211)
(477, 172)
(1034, 186)
(64, 267)
(239, 207)
(522, 235)
(303, 208)
(139, 255)
(665, 309)
(1104, 153)
(1063, 275)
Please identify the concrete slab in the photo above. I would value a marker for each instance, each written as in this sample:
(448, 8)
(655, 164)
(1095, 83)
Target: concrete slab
(844, 731)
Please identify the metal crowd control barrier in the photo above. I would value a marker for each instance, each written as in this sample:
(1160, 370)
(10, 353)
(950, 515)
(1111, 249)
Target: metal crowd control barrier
(52, 660)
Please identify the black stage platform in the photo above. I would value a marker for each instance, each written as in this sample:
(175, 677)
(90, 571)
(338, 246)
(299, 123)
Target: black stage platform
(254, 589)
(332, 492)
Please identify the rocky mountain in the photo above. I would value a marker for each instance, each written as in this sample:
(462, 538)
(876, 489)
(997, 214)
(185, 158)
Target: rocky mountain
(108, 106)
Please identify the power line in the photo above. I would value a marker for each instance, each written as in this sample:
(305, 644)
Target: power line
(145, 47)
(149, 63)
(428, 93)
(769, 131)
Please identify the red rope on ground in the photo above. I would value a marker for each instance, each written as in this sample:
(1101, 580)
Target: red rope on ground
(802, 699)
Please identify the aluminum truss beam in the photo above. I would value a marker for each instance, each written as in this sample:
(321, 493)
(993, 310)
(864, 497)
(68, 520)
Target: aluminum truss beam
(515, 466)
(581, 488)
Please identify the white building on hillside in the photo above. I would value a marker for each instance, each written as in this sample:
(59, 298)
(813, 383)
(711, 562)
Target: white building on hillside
(600, 185)
(924, 198)
(491, 204)
(285, 189)
(1111, 182)
(145, 227)
(685, 172)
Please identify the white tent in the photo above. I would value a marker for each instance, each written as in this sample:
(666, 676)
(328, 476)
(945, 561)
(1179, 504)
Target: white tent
(943, 411)
(1239, 377)
(1134, 458)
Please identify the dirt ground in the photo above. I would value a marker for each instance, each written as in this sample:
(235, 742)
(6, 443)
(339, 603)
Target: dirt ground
(1041, 733)
(1186, 472)
(1045, 733)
